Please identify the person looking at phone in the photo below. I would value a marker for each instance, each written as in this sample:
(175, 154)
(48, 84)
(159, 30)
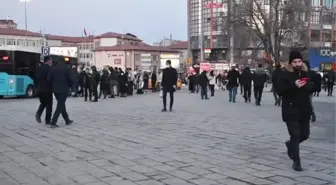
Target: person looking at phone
(295, 89)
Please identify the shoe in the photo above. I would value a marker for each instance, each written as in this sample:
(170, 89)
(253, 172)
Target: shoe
(54, 126)
(94, 101)
(38, 118)
(69, 122)
(85, 99)
(297, 166)
(164, 110)
(47, 122)
(249, 100)
(289, 153)
(171, 110)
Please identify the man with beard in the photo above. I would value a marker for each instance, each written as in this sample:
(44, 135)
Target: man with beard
(295, 90)
(61, 79)
(44, 91)
(95, 77)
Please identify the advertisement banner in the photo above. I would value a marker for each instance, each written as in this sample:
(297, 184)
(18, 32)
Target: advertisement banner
(205, 67)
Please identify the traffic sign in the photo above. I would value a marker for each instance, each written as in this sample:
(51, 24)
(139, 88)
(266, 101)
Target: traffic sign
(188, 61)
(45, 51)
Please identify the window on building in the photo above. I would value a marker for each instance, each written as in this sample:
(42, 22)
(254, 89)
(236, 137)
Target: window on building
(326, 36)
(137, 57)
(315, 17)
(2, 41)
(327, 18)
(316, 3)
(97, 44)
(11, 42)
(21, 42)
(315, 35)
(155, 57)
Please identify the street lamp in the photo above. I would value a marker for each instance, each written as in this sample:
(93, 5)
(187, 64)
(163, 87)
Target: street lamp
(25, 10)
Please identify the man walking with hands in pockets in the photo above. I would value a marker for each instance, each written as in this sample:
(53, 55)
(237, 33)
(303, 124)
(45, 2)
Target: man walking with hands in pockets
(168, 84)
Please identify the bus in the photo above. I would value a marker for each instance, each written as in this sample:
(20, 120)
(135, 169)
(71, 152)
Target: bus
(18, 64)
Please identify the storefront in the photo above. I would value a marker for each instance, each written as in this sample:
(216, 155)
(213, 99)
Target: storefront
(322, 59)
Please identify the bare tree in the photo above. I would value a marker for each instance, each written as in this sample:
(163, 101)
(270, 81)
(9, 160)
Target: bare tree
(278, 24)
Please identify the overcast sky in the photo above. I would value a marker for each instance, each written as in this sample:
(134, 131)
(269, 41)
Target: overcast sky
(148, 19)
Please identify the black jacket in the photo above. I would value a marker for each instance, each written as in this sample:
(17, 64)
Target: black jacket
(154, 77)
(246, 77)
(259, 77)
(60, 78)
(295, 101)
(95, 77)
(203, 80)
(169, 78)
(86, 79)
(41, 78)
(232, 77)
(317, 82)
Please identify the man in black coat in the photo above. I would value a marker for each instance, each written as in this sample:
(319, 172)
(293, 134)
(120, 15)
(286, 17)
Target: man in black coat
(232, 84)
(87, 84)
(169, 80)
(153, 81)
(259, 80)
(294, 87)
(61, 79)
(95, 77)
(246, 82)
(203, 83)
(44, 91)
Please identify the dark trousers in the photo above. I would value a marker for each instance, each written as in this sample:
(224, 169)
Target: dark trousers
(247, 92)
(95, 92)
(81, 89)
(258, 90)
(153, 86)
(330, 87)
(103, 90)
(212, 90)
(204, 92)
(46, 102)
(87, 92)
(241, 89)
(60, 108)
(164, 98)
(298, 131)
(277, 98)
(196, 87)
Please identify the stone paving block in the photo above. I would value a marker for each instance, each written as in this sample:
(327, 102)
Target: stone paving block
(257, 181)
(182, 174)
(203, 181)
(133, 176)
(196, 170)
(311, 180)
(175, 181)
(84, 179)
(97, 183)
(142, 169)
(262, 174)
(8, 181)
(57, 179)
(121, 182)
(150, 182)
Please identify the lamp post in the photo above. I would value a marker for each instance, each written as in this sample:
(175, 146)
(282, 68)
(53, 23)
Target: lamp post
(26, 25)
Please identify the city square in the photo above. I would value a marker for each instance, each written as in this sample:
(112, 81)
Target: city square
(128, 141)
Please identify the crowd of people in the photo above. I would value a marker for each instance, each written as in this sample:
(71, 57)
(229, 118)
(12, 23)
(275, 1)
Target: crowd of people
(58, 80)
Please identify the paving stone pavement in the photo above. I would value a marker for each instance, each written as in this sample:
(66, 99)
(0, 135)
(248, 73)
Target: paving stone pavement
(128, 141)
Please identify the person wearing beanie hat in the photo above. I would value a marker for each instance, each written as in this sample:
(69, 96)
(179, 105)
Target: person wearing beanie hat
(295, 88)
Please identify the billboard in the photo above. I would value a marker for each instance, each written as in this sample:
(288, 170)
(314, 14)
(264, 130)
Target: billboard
(320, 58)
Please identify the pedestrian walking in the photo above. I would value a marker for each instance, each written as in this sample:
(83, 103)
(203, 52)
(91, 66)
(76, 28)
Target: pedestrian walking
(203, 83)
(294, 87)
(113, 82)
(60, 79)
(169, 80)
(232, 84)
(44, 91)
(87, 84)
(153, 81)
(212, 82)
(275, 79)
(246, 82)
(104, 84)
(259, 80)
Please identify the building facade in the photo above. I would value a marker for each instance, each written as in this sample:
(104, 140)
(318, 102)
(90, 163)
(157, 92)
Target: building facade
(108, 49)
(320, 26)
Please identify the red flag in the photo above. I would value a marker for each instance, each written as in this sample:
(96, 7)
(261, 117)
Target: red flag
(85, 33)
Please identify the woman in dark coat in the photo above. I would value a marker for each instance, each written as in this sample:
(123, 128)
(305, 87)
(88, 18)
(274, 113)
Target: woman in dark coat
(317, 83)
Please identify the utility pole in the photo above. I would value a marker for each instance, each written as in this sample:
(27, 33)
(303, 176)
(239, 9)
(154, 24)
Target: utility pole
(26, 24)
(231, 30)
(201, 31)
